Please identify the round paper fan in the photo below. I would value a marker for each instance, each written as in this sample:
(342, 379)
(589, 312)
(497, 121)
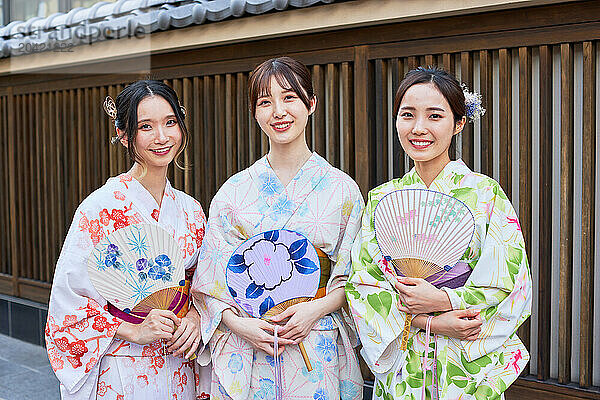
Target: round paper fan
(273, 268)
(272, 271)
(139, 268)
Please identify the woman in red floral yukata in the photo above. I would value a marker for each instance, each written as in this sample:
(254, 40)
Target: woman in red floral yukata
(95, 354)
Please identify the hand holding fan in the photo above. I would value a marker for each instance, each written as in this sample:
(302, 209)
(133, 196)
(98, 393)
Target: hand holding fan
(272, 271)
(424, 233)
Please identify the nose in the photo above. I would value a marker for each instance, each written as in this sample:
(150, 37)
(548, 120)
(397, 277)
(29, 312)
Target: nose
(279, 110)
(161, 135)
(419, 127)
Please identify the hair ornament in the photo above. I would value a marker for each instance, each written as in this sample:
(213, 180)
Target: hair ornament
(474, 109)
(110, 107)
(183, 110)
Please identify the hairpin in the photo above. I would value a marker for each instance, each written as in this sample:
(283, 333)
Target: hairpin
(474, 109)
(110, 107)
(183, 110)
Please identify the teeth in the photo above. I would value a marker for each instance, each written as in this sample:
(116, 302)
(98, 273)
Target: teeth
(282, 126)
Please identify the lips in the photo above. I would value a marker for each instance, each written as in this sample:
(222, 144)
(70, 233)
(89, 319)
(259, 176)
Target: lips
(161, 151)
(420, 144)
(282, 126)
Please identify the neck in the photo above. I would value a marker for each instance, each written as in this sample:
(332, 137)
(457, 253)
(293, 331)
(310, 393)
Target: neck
(154, 180)
(429, 170)
(287, 159)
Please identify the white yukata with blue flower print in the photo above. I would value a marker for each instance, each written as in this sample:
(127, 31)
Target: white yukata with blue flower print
(325, 205)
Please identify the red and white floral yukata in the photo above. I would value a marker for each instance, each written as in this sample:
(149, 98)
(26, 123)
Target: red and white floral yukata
(80, 333)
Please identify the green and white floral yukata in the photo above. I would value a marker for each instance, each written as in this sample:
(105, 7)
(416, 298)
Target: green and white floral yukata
(499, 286)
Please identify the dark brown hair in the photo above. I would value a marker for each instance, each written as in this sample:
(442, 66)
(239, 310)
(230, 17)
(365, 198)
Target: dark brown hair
(127, 118)
(445, 82)
(291, 75)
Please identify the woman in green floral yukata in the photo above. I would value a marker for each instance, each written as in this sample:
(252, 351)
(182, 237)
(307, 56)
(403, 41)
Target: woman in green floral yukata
(474, 352)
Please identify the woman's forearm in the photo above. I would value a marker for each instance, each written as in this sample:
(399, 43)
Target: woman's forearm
(333, 301)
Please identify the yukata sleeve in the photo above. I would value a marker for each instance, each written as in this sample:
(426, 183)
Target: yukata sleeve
(352, 210)
(79, 328)
(209, 287)
(500, 284)
(373, 301)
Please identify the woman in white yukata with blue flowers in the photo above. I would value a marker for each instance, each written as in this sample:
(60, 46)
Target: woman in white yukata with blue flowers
(294, 188)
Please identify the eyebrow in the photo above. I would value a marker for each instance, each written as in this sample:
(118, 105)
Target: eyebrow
(428, 108)
(150, 119)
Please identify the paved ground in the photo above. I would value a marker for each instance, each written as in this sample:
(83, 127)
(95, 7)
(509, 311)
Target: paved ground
(25, 372)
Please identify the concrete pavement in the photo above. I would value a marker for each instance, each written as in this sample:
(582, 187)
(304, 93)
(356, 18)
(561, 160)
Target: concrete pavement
(25, 372)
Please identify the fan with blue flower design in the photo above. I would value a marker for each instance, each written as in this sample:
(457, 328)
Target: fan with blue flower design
(272, 271)
(139, 268)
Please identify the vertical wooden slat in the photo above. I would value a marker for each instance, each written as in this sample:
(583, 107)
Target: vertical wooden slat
(412, 63)
(50, 167)
(103, 134)
(545, 213)
(505, 116)
(80, 146)
(333, 112)
(347, 163)
(219, 132)
(187, 101)
(12, 195)
(58, 179)
(466, 77)
(121, 154)
(209, 136)
(241, 99)
(525, 180)
(448, 63)
(318, 123)
(29, 194)
(399, 162)
(113, 149)
(588, 204)
(566, 213)
(198, 149)
(362, 136)
(381, 122)
(230, 119)
(486, 84)
(176, 172)
(429, 60)
(4, 211)
(44, 217)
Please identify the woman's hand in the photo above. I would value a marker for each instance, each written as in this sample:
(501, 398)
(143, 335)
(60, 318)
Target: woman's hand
(417, 296)
(158, 324)
(187, 337)
(255, 331)
(459, 324)
(300, 318)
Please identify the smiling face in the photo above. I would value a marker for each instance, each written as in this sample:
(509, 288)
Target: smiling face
(425, 125)
(158, 135)
(282, 115)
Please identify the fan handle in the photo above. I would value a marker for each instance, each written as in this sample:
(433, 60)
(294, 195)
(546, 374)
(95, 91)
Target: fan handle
(282, 307)
(406, 331)
(305, 356)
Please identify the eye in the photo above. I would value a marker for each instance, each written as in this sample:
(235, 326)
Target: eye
(145, 127)
(435, 116)
(172, 122)
(406, 114)
(262, 103)
(290, 97)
